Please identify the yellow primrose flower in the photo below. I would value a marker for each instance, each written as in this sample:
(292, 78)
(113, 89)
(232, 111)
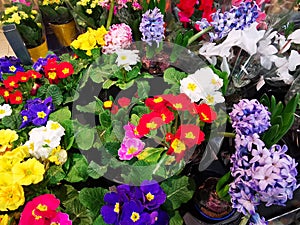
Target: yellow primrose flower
(11, 10)
(18, 153)
(28, 172)
(99, 35)
(5, 169)
(35, 12)
(16, 18)
(58, 156)
(7, 137)
(11, 197)
(4, 219)
(89, 11)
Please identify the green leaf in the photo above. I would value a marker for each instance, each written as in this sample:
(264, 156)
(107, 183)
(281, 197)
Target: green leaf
(176, 219)
(12, 122)
(99, 221)
(60, 115)
(150, 155)
(143, 89)
(96, 171)
(173, 77)
(78, 168)
(108, 83)
(178, 190)
(79, 214)
(55, 174)
(85, 137)
(105, 119)
(56, 94)
(92, 107)
(223, 181)
(92, 198)
(125, 86)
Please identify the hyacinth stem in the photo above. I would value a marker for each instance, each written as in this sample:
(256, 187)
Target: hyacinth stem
(199, 34)
(227, 134)
(110, 14)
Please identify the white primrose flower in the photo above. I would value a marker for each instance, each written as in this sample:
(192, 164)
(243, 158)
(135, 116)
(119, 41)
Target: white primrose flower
(126, 58)
(5, 110)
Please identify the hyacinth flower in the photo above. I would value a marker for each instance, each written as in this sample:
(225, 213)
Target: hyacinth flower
(261, 175)
(236, 18)
(152, 26)
(135, 205)
(36, 112)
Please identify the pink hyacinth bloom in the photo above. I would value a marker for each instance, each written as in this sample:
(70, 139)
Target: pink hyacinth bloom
(62, 219)
(130, 148)
(118, 37)
(136, 6)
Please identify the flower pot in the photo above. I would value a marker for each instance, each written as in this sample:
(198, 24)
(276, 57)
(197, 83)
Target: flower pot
(65, 33)
(210, 209)
(39, 51)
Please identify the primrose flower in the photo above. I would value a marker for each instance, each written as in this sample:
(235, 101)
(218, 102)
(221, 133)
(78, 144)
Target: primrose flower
(61, 218)
(29, 172)
(111, 211)
(153, 194)
(152, 26)
(39, 210)
(130, 148)
(10, 64)
(5, 110)
(4, 219)
(11, 195)
(133, 214)
(7, 137)
(118, 37)
(126, 58)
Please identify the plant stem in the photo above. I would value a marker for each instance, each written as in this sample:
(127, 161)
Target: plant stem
(110, 14)
(227, 134)
(199, 34)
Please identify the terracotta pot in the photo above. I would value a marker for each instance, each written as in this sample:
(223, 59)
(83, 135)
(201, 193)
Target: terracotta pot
(65, 33)
(39, 51)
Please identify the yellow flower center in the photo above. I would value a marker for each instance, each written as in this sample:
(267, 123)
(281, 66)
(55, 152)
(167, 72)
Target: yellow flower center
(25, 118)
(190, 135)
(41, 115)
(177, 105)
(131, 150)
(178, 146)
(158, 100)
(107, 104)
(12, 83)
(18, 98)
(12, 68)
(54, 126)
(6, 93)
(117, 208)
(54, 223)
(66, 70)
(210, 99)
(204, 116)
(135, 216)
(35, 216)
(42, 208)
(52, 75)
(163, 116)
(151, 125)
(2, 111)
(192, 86)
(149, 197)
(123, 57)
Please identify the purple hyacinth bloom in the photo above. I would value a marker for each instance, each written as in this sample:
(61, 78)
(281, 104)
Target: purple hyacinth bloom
(111, 211)
(249, 117)
(38, 65)
(133, 214)
(152, 26)
(153, 194)
(257, 220)
(236, 18)
(159, 217)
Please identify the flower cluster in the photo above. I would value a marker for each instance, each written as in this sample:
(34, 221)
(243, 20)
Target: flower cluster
(119, 36)
(236, 18)
(92, 39)
(260, 174)
(36, 111)
(203, 84)
(44, 142)
(16, 170)
(43, 209)
(135, 205)
(10, 65)
(28, 23)
(164, 110)
(152, 26)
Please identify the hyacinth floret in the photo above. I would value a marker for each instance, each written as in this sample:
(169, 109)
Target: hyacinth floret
(249, 117)
(236, 18)
(152, 26)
